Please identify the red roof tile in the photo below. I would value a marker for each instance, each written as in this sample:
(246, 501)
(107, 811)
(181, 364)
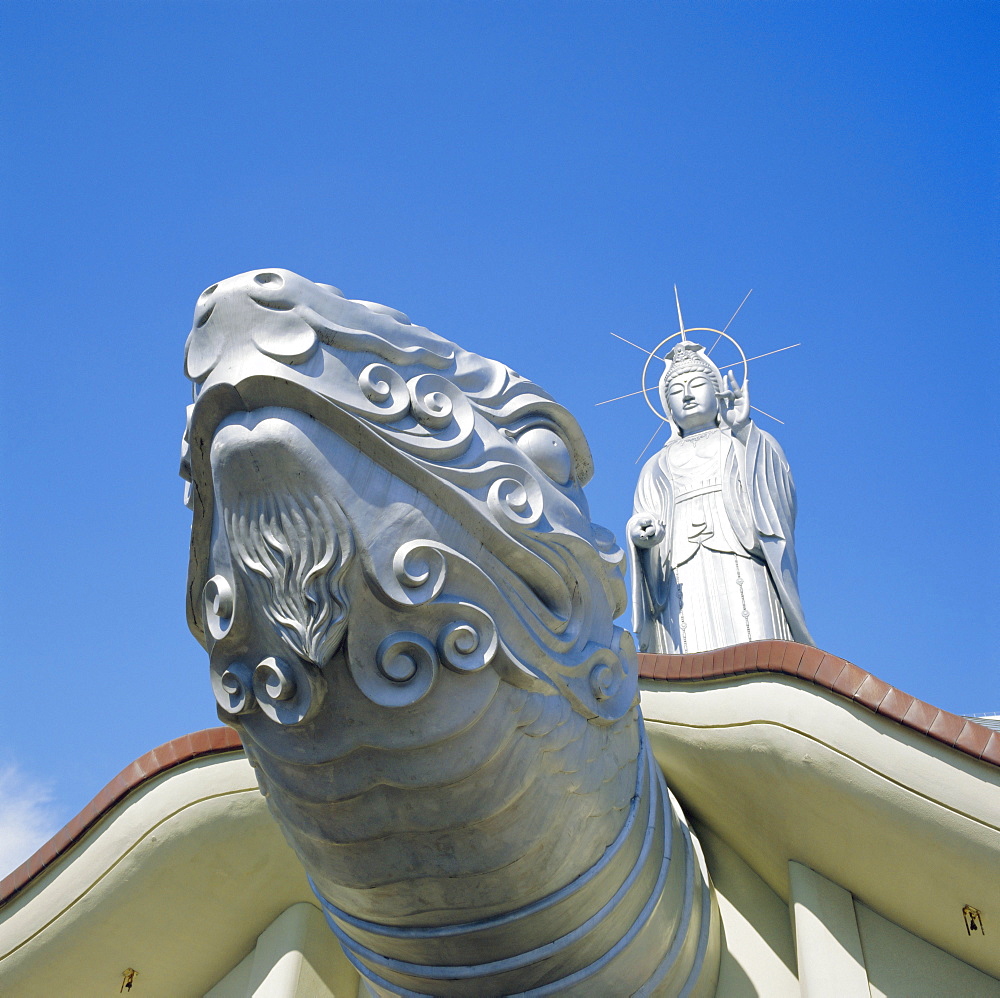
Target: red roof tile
(835, 674)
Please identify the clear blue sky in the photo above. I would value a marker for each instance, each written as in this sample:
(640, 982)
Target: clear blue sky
(524, 178)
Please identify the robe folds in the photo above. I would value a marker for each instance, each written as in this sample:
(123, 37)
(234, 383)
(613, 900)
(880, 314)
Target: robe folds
(725, 569)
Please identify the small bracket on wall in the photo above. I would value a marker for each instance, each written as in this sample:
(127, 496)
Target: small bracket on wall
(973, 920)
(128, 979)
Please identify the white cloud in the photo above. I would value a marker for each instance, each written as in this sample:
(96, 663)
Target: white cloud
(28, 817)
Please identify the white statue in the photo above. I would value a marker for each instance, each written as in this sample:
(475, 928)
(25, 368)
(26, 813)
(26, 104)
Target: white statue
(712, 532)
(410, 620)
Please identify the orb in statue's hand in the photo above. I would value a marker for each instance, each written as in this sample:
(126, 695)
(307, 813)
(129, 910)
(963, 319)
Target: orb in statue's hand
(645, 531)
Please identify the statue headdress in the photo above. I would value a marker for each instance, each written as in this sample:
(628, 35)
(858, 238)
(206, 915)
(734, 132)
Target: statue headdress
(686, 357)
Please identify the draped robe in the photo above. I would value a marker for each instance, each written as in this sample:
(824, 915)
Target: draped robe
(727, 506)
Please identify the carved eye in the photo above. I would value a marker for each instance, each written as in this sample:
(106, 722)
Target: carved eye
(549, 452)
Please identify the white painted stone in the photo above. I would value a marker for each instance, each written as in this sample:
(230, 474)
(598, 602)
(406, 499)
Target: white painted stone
(712, 550)
(410, 620)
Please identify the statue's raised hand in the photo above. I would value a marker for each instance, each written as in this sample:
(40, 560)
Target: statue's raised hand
(734, 403)
(645, 531)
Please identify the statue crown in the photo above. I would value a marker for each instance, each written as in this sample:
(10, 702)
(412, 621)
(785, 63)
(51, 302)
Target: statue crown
(685, 358)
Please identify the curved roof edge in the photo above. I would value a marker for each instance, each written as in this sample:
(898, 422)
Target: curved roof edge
(781, 657)
(832, 673)
(210, 741)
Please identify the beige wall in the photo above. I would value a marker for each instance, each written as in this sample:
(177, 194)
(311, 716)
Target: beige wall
(784, 772)
(176, 882)
(841, 947)
(818, 826)
(296, 956)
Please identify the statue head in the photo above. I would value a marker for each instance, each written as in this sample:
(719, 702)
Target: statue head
(688, 388)
(379, 514)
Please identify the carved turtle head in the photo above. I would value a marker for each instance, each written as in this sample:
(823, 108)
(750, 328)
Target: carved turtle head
(372, 501)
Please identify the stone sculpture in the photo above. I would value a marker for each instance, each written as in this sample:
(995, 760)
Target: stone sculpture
(712, 546)
(409, 618)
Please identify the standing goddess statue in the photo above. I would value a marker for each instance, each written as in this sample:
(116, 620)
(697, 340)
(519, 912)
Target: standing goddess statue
(712, 546)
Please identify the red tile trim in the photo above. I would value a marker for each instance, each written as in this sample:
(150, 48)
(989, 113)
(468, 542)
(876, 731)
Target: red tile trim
(660, 666)
(947, 727)
(211, 741)
(872, 692)
(920, 716)
(973, 739)
(849, 681)
(992, 751)
(894, 704)
(791, 657)
(728, 661)
(834, 674)
(811, 660)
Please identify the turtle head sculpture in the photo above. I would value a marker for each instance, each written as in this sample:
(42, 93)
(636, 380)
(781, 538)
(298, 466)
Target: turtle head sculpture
(409, 617)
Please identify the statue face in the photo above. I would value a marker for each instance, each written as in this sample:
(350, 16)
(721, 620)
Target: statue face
(692, 402)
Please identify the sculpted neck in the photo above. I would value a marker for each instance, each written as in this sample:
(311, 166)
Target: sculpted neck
(691, 431)
(496, 803)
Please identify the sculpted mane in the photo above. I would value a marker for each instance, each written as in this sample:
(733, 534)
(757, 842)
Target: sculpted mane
(409, 617)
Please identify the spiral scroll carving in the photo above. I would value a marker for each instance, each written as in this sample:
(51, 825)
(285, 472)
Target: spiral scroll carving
(283, 695)
(406, 666)
(232, 684)
(518, 500)
(419, 567)
(387, 390)
(446, 422)
(284, 692)
(433, 400)
(219, 606)
(467, 647)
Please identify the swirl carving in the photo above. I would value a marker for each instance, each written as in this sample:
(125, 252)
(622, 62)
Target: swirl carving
(219, 606)
(406, 665)
(271, 681)
(446, 422)
(603, 681)
(232, 684)
(433, 400)
(516, 500)
(282, 695)
(387, 390)
(419, 567)
(467, 647)
(285, 693)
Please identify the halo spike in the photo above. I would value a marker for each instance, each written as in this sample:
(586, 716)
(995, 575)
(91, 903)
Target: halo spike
(648, 442)
(770, 353)
(730, 322)
(651, 353)
(680, 318)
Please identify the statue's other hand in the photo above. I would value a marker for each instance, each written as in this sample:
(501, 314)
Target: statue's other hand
(645, 531)
(734, 403)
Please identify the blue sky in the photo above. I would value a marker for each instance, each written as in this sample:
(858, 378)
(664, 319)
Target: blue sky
(524, 178)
